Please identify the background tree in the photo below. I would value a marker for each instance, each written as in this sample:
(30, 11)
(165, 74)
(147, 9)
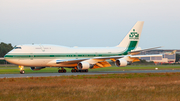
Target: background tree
(5, 48)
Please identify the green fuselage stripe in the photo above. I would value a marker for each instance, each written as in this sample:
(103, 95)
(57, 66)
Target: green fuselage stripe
(58, 55)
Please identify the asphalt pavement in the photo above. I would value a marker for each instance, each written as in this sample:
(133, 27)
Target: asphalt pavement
(89, 73)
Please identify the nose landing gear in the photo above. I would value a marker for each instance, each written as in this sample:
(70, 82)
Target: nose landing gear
(21, 69)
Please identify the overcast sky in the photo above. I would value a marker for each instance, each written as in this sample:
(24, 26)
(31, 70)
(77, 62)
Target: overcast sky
(91, 23)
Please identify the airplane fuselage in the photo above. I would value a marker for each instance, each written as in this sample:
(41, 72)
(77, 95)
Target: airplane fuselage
(42, 55)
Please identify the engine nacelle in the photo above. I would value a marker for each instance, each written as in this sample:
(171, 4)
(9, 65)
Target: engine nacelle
(121, 63)
(83, 65)
(37, 68)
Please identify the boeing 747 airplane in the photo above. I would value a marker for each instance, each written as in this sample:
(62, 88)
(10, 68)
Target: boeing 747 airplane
(80, 59)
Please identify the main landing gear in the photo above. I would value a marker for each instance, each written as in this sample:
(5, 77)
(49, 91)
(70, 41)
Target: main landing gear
(62, 70)
(75, 70)
(21, 69)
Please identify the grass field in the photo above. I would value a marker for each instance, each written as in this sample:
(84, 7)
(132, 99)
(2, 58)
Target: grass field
(15, 69)
(108, 87)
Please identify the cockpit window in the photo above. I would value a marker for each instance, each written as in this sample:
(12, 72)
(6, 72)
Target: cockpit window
(17, 48)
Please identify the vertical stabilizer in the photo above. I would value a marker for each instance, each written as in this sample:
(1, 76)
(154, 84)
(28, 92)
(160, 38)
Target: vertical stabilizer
(131, 40)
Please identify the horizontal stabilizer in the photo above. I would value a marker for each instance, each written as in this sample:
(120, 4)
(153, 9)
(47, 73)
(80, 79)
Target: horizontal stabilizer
(143, 50)
(173, 52)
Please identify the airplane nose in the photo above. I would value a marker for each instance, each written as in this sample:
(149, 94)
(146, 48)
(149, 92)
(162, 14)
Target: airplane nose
(6, 57)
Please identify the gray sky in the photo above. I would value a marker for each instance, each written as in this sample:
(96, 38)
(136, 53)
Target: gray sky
(89, 22)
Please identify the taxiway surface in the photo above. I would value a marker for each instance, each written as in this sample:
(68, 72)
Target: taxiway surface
(89, 73)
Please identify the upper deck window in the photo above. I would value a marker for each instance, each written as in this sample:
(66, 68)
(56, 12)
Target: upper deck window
(17, 48)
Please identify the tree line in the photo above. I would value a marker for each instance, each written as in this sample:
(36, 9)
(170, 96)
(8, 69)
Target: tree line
(4, 49)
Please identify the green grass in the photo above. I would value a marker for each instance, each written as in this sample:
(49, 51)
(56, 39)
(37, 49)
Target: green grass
(15, 69)
(106, 87)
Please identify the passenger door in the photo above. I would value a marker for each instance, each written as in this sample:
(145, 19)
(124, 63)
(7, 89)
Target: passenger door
(31, 56)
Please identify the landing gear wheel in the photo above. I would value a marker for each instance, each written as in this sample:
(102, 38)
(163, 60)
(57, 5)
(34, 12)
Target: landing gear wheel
(86, 70)
(21, 69)
(62, 70)
(73, 70)
(22, 72)
(59, 71)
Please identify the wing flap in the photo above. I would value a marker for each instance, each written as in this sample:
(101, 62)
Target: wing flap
(101, 65)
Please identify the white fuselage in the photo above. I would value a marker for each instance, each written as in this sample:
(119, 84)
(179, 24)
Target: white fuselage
(43, 55)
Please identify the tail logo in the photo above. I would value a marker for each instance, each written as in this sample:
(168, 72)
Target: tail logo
(133, 35)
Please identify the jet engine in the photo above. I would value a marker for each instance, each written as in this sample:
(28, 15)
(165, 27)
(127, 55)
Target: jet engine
(83, 65)
(121, 63)
(37, 68)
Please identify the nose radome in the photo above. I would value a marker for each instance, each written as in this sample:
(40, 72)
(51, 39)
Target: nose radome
(6, 57)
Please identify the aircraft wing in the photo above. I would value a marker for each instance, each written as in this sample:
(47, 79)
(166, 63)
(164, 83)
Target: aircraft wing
(96, 61)
(100, 62)
(71, 61)
(143, 50)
